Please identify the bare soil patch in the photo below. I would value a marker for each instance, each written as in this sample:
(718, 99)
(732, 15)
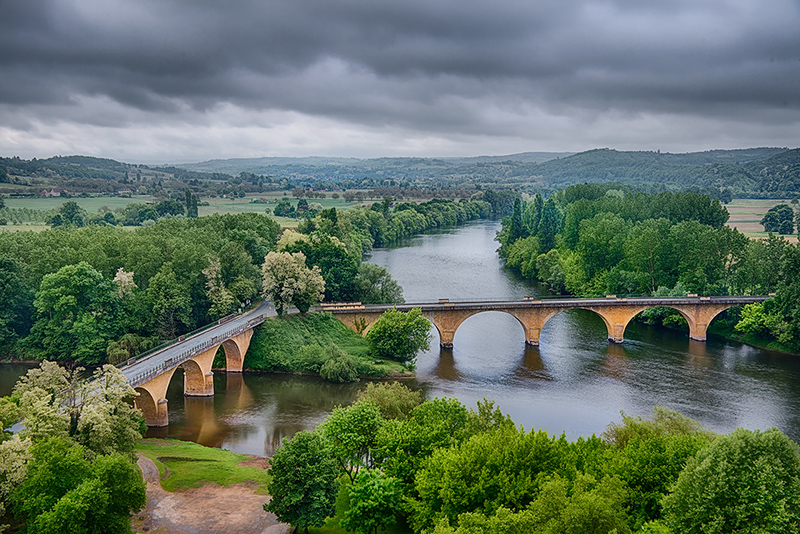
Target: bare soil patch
(209, 509)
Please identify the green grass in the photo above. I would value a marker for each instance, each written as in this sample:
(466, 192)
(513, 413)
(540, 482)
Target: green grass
(189, 465)
(275, 345)
(24, 227)
(91, 204)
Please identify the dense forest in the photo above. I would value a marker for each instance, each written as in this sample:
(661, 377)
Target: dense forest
(96, 293)
(724, 174)
(597, 239)
(441, 468)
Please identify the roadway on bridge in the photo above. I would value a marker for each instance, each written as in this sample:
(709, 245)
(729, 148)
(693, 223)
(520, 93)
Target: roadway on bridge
(171, 356)
(532, 302)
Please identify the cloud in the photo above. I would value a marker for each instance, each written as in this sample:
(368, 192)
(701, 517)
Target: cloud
(394, 78)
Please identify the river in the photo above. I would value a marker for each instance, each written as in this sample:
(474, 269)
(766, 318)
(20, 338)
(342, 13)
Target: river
(575, 382)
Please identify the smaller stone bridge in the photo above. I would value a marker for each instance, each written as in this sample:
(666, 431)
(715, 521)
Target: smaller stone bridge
(533, 313)
(150, 376)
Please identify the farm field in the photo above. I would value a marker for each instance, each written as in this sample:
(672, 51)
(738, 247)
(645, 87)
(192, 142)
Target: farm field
(91, 204)
(216, 205)
(747, 212)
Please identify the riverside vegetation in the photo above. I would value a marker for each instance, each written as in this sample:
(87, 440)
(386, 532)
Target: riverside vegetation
(98, 293)
(597, 239)
(393, 463)
(401, 465)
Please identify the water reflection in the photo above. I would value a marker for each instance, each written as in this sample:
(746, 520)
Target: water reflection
(574, 382)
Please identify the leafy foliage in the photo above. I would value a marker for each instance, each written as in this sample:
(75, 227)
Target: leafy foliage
(65, 492)
(304, 484)
(748, 481)
(393, 399)
(399, 335)
(351, 434)
(374, 502)
(287, 281)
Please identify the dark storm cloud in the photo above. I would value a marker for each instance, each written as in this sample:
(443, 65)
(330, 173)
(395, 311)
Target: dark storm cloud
(418, 65)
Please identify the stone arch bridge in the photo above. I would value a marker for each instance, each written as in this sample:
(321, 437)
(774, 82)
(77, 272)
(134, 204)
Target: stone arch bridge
(532, 313)
(150, 375)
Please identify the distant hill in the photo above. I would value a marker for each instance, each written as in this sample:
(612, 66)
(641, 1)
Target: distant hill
(753, 172)
(270, 164)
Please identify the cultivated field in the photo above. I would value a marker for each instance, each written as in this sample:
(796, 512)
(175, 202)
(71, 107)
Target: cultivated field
(746, 214)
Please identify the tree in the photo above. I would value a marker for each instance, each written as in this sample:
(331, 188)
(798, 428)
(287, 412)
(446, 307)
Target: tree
(549, 225)
(65, 492)
(222, 301)
(779, 219)
(96, 413)
(16, 305)
(78, 313)
(747, 481)
(393, 399)
(287, 281)
(170, 300)
(304, 482)
(351, 433)
(374, 501)
(337, 265)
(374, 285)
(399, 335)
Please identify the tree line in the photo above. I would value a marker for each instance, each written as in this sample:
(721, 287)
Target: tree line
(440, 468)
(596, 239)
(99, 293)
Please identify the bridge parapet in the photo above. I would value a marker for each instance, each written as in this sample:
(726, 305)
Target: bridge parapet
(533, 312)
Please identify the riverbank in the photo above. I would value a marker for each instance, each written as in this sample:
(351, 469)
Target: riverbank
(303, 344)
(193, 489)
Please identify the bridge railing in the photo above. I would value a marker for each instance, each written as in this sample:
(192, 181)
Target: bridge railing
(180, 339)
(189, 353)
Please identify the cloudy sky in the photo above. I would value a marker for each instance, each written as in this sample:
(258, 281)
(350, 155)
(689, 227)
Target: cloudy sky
(157, 81)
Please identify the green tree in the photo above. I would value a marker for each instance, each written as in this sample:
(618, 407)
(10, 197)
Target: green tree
(399, 335)
(393, 399)
(78, 313)
(374, 502)
(779, 219)
(337, 265)
(747, 481)
(287, 281)
(65, 492)
(170, 301)
(351, 433)
(549, 225)
(16, 305)
(304, 482)
(97, 413)
(501, 467)
(403, 446)
(374, 285)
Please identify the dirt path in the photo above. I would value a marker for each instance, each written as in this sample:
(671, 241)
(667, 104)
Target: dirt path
(209, 509)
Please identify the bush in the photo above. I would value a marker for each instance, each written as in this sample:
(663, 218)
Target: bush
(747, 481)
(339, 367)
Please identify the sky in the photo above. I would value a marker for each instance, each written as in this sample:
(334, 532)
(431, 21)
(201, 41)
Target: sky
(171, 81)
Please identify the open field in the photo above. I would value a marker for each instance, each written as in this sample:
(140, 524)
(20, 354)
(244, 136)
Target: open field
(91, 204)
(747, 212)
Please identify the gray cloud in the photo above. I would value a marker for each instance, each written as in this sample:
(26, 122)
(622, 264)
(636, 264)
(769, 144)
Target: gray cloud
(467, 73)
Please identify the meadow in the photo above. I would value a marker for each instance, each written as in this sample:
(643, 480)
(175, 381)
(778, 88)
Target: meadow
(746, 214)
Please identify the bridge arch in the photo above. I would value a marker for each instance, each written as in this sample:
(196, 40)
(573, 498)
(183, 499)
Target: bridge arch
(475, 313)
(146, 404)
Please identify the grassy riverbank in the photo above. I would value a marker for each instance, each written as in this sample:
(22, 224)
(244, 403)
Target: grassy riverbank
(294, 344)
(183, 464)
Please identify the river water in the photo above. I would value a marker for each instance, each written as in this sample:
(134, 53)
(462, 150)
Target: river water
(574, 382)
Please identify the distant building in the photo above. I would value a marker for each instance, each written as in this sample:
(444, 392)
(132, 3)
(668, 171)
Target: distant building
(54, 193)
